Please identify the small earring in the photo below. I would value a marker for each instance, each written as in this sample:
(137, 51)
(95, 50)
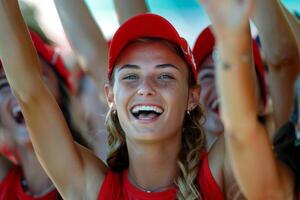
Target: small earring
(114, 111)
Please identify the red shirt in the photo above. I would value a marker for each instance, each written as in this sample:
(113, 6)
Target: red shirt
(116, 186)
(11, 188)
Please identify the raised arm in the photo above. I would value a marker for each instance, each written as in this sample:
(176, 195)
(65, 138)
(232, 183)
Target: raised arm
(281, 55)
(128, 8)
(62, 159)
(85, 37)
(247, 143)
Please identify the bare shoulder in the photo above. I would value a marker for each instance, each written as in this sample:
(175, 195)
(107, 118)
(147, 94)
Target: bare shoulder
(95, 172)
(216, 161)
(222, 171)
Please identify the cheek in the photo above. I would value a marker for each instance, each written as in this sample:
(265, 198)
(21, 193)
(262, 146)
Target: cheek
(177, 98)
(122, 96)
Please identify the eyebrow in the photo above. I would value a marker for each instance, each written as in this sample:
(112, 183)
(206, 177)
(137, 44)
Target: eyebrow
(129, 66)
(161, 66)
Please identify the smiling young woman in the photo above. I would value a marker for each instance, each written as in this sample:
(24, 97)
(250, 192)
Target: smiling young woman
(150, 79)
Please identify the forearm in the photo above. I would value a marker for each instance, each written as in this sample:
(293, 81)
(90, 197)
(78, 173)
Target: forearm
(235, 80)
(85, 37)
(245, 137)
(278, 41)
(48, 130)
(281, 55)
(294, 24)
(248, 145)
(129, 8)
(17, 53)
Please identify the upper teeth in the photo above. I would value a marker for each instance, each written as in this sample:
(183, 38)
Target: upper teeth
(156, 109)
(16, 110)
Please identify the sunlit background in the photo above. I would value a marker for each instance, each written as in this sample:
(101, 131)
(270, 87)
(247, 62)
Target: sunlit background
(186, 15)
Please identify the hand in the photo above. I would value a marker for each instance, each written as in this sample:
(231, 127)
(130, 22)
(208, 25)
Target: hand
(228, 17)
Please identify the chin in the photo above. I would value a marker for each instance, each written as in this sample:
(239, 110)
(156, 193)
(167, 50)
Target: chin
(144, 135)
(150, 136)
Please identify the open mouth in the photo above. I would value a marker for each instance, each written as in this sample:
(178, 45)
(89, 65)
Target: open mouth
(17, 115)
(146, 112)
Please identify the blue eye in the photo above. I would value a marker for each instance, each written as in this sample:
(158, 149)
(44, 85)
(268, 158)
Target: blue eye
(130, 77)
(165, 77)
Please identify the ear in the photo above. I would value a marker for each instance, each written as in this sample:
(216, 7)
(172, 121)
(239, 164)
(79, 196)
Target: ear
(109, 94)
(194, 97)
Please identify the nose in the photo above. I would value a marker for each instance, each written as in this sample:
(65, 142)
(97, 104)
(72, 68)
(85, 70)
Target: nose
(146, 88)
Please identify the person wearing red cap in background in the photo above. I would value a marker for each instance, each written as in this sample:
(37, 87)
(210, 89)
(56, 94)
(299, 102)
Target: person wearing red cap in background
(156, 144)
(21, 175)
(280, 50)
(245, 136)
(91, 49)
(203, 53)
(279, 34)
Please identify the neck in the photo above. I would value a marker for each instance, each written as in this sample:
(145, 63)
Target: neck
(153, 167)
(35, 179)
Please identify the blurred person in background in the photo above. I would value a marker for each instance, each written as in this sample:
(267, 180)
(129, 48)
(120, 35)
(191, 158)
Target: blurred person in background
(91, 49)
(22, 176)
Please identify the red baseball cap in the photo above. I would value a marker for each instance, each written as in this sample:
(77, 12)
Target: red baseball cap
(147, 25)
(204, 46)
(52, 56)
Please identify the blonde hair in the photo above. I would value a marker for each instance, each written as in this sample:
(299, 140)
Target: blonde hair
(192, 143)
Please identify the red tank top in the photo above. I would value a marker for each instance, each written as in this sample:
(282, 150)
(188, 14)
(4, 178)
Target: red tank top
(116, 186)
(11, 188)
